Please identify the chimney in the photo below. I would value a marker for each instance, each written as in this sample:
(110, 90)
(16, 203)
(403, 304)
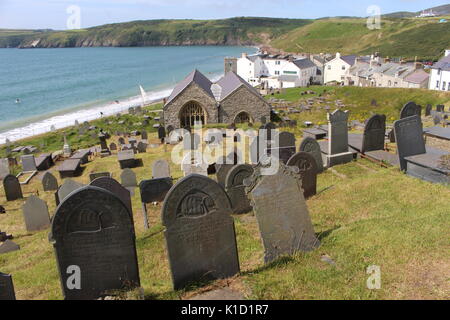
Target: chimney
(417, 65)
(244, 54)
(291, 59)
(447, 52)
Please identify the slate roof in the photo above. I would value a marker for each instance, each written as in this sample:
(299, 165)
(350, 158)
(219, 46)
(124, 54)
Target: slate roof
(304, 63)
(417, 76)
(443, 64)
(196, 77)
(230, 82)
(349, 59)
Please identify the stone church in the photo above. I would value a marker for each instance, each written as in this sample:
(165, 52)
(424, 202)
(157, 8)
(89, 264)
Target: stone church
(229, 100)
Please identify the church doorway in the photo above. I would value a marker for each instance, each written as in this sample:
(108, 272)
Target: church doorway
(242, 117)
(192, 113)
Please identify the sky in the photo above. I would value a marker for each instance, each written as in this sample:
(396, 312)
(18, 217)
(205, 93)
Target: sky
(54, 14)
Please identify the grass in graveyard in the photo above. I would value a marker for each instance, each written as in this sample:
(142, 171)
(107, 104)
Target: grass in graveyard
(365, 215)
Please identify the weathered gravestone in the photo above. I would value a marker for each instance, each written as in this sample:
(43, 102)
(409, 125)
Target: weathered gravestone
(13, 190)
(161, 133)
(153, 190)
(235, 188)
(160, 169)
(307, 166)
(4, 167)
(28, 163)
(113, 146)
(437, 118)
(67, 188)
(6, 287)
(35, 214)
(311, 146)
(440, 108)
(142, 147)
(283, 218)
(49, 182)
(410, 109)
(121, 140)
(222, 169)
(409, 138)
(8, 246)
(144, 135)
(374, 133)
(200, 235)
(428, 109)
(338, 152)
(116, 188)
(94, 241)
(128, 178)
(286, 145)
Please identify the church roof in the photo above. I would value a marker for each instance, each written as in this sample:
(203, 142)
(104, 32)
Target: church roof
(196, 77)
(230, 82)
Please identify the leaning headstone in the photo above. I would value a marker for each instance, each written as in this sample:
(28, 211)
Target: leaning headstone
(280, 207)
(6, 287)
(13, 190)
(8, 246)
(49, 182)
(311, 146)
(200, 235)
(409, 138)
(338, 152)
(160, 169)
(35, 214)
(410, 109)
(374, 133)
(68, 187)
(94, 241)
(28, 163)
(116, 188)
(307, 166)
(235, 188)
(4, 167)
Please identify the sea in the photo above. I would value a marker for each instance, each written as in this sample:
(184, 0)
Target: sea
(46, 89)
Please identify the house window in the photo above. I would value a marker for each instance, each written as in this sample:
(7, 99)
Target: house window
(389, 83)
(443, 85)
(437, 84)
(343, 67)
(277, 63)
(277, 72)
(329, 67)
(448, 89)
(439, 71)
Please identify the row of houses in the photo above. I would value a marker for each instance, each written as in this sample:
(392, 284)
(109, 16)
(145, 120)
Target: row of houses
(286, 71)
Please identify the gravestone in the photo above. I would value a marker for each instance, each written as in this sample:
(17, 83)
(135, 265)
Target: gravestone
(128, 178)
(116, 188)
(235, 188)
(6, 287)
(440, 108)
(49, 182)
(161, 133)
(144, 135)
(154, 190)
(35, 214)
(374, 133)
(307, 166)
(121, 140)
(200, 234)
(95, 175)
(13, 190)
(311, 146)
(428, 110)
(68, 187)
(197, 164)
(410, 109)
(160, 169)
(409, 137)
(8, 246)
(4, 167)
(437, 118)
(94, 239)
(286, 145)
(280, 207)
(28, 163)
(113, 146)
(338, 152)
(141, 147)
(103, 145)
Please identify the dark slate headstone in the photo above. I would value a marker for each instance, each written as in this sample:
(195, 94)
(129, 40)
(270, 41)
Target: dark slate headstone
(374, 133)
(311, 146)
(95, 175)
(93, 237)
(428, 109)
(437, 118)
(160, 169)
(222, 170)
(67, 188)
(6, 287)
(338, 150)
(410, 109)
(13, 190)
(440, 108)
(113, 146)
(286, 145)
(154, 190)
(28, 163)
(161, 133)
(122, 140)
(280, 207)
(35, 214)
(200, 235)
(142, 147)
(307, 166)
(409, 138)
(49, 182)
(144, 135)
(235, 188)
(116, 188)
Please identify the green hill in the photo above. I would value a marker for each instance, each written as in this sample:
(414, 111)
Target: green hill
(409, 37)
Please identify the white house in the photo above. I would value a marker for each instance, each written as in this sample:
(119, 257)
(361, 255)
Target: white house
(276, 71)
(440, 74)
(337, 68)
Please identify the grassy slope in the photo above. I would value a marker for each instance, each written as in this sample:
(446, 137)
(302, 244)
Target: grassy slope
(368, 216)
(398, 37)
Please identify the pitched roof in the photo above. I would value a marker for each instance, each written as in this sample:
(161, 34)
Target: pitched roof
(443, 64)
(304, 63)
(349, 59)
(230, 82)
(196, 77)
(417, 76)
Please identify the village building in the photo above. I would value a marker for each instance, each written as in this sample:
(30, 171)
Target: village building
(197, 100)
(336, 69)
(440, 74)
(276, 71)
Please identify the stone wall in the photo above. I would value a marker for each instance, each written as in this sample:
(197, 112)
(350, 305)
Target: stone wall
(243, 100)
(191, 93)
